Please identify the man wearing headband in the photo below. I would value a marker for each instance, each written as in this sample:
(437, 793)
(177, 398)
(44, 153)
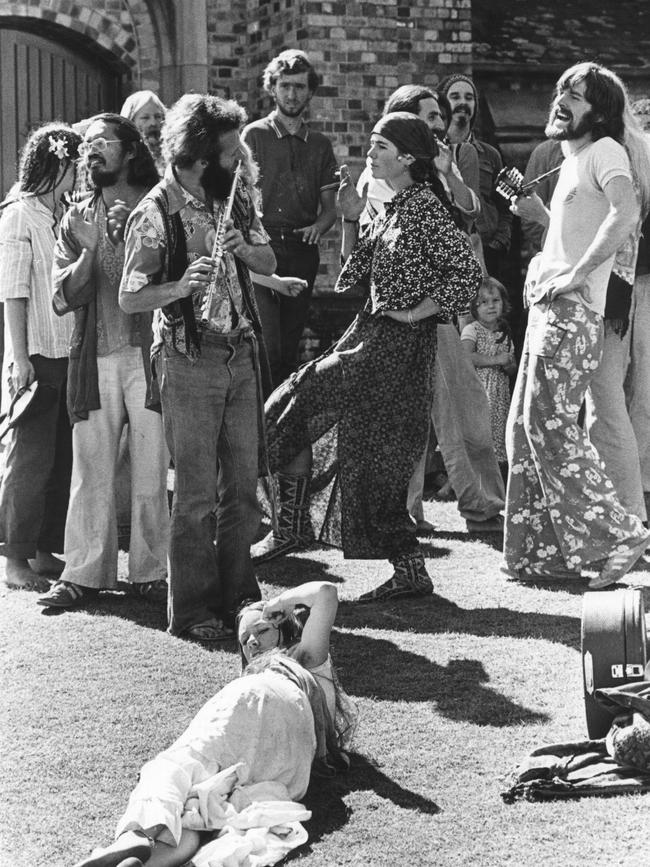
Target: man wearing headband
(206, 355)
(495, 221)
(299, 183)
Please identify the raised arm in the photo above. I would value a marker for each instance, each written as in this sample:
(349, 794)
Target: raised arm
(72, 269)
(321, 598)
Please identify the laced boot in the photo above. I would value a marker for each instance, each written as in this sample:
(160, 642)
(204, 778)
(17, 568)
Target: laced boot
(409, 579)
(294, 531)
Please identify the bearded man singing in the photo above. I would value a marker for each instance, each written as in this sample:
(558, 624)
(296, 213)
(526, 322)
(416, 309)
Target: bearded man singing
(206, 356)
(562, 514)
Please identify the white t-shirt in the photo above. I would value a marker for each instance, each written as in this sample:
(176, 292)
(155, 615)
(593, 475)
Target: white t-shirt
(578, 209)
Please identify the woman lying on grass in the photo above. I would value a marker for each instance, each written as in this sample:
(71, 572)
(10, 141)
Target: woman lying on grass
(254, 744)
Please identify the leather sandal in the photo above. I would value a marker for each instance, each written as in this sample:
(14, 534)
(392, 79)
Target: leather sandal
(619, 564)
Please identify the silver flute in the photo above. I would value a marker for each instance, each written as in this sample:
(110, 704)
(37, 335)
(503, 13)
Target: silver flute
(217, 247)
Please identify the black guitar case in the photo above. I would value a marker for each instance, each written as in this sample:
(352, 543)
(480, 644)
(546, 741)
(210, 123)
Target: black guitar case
(613, 643)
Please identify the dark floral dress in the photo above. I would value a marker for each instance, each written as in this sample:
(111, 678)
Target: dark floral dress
(364, 405)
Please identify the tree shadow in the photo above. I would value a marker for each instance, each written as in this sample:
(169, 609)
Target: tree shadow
(376, 668)
(435, 614)
(329, 811)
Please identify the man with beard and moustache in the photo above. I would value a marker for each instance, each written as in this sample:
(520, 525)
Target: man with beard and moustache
(108, 379)
(494, 223)
(206, 355)
(562, 513)
(298, 183)
(147, 112)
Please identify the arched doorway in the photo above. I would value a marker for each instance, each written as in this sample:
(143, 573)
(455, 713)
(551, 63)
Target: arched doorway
(42, 79)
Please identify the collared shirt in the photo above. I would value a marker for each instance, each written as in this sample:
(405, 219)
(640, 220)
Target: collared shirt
(145, 256)
(295, 169)
(26, 250)
(115, 329)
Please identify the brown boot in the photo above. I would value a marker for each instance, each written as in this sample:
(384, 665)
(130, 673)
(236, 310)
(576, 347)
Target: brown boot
(294, 531)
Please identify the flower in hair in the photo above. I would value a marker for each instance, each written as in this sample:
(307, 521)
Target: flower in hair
(59, 146)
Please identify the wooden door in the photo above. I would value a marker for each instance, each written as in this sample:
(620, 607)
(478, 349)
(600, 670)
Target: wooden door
(41, 80)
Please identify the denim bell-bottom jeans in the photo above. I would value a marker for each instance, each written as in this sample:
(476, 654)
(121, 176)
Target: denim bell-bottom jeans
(211, 423)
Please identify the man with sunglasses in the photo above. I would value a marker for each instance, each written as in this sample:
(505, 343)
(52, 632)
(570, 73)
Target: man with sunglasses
(107, 380)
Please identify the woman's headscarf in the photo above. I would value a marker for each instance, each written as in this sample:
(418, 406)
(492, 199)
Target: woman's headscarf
(409, 134)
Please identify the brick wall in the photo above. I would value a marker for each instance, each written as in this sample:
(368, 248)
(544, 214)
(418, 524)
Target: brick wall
(363, 51)
(124, 30)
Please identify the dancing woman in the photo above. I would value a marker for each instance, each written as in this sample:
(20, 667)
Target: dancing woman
(350, 427)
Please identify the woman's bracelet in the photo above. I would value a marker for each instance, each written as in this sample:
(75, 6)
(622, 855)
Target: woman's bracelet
(352, 222)
(410, 319)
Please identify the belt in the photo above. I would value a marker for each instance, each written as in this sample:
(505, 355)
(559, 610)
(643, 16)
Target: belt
(284, 233)
(217, 339)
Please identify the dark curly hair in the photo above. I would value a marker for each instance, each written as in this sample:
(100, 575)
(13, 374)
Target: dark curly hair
(290, 62)
(142, 171)
(40, 166)
(193, 126)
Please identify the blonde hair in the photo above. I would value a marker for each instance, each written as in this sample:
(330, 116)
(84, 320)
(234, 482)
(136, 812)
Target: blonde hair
(637, 144)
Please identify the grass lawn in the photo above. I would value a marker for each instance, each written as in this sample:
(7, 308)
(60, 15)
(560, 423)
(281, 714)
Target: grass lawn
(452, 691)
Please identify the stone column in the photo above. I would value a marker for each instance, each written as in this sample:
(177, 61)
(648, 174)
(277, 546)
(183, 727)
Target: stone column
(189, 72)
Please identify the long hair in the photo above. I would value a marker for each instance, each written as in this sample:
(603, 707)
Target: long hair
(142, 171)
(613, 117)
(290, 627)
(407, 98)
(137, 100)
(193, 126)
(48, 152)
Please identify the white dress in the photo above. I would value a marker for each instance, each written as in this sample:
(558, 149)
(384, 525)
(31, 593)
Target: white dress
(259, 729)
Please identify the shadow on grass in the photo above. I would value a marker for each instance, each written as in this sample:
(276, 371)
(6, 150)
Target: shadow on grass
(329, 811)
(292, 571)
(436, 614)
(430, 546)
(377, 668)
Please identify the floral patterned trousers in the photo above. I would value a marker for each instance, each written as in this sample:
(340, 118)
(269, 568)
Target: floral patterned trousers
(561, 509)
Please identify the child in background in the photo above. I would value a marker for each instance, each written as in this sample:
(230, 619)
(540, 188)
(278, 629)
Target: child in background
(489, 345)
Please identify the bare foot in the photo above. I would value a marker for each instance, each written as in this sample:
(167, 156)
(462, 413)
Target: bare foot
(45, 563)
(131, 844)
(19, 576)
